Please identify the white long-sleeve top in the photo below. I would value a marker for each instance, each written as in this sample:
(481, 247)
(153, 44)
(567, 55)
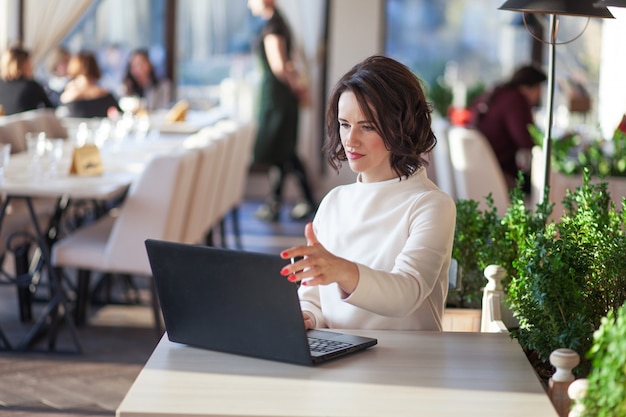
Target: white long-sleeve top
(400, 235)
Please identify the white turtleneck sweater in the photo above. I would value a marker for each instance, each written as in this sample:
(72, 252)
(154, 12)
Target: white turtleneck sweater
(400, 234)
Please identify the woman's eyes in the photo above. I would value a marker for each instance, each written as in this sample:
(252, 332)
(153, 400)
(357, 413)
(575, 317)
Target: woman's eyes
(345, 125)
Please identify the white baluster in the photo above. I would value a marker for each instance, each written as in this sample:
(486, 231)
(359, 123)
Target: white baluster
(564, 360)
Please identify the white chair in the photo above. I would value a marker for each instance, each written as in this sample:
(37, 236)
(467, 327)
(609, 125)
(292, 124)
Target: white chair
(239, 164)
(202, 213)
(223, 200)
(155, 208)
(440, 159)
(476, 169)
(13, 128)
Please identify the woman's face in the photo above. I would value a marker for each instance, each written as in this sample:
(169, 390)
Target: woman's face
(140, 67)
(364, 147)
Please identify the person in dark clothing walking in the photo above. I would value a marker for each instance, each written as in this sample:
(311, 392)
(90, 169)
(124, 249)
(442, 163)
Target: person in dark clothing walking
(280, 95)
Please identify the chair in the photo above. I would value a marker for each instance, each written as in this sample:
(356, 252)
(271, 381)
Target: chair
(155, 207)
(238, 138)
(476, 169)
(202, 214)
(444, 173)
(13, 128)
(238, 172)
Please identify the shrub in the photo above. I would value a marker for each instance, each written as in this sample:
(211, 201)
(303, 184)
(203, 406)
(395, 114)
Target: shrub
(607, 379)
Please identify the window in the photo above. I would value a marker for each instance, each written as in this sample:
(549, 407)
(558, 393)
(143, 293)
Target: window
(476, 43)
(213, 40)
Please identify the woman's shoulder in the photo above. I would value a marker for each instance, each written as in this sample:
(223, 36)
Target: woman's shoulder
(95, 92)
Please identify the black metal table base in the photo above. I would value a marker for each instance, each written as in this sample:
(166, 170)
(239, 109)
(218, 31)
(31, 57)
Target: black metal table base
(56, 310)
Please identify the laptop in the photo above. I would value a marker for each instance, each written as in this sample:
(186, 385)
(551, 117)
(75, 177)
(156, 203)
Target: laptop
(237, 302)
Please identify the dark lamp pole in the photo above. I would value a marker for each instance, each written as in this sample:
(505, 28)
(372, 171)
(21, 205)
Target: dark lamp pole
(583, 8)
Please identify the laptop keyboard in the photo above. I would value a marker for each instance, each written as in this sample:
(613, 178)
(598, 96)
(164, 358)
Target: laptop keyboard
(324, 345)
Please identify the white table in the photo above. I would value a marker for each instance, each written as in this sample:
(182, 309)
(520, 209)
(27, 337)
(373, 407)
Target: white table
(406, 374)
(23, 181)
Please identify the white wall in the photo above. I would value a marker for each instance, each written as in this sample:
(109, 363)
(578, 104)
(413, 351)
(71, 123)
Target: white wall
(612, 94)
(355, 32)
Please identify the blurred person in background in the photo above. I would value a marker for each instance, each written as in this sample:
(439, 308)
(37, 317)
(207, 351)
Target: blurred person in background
(279, 104)
(142, 82)
(58, 79)
(504, 114)
(83, 96)
(18, 90)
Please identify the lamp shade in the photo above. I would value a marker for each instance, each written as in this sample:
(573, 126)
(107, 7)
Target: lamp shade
(584, 8)
(610, 3)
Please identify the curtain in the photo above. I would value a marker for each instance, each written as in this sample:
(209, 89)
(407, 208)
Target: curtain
(47, 22)
(8, 23)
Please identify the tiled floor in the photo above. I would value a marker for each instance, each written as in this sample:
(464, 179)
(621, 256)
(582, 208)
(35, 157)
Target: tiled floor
(116, 343)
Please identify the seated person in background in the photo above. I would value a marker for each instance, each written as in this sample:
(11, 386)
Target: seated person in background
(18, 90)
(378, 250)
(57, 67)
(141, 81)
(503, 116)
(83, 97)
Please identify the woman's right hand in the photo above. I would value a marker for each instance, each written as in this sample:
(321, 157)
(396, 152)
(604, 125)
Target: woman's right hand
(309, 320)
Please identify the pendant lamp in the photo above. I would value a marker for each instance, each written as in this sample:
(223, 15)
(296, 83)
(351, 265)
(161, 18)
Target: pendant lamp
(610, 3)
(554, 8)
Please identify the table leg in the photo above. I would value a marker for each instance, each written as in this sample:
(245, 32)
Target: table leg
(58, 299)
(24, 294)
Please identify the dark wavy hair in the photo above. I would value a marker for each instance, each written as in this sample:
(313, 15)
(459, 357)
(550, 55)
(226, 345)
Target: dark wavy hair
(84, 63)
(131, 84)
(392, 97)
(13, 64)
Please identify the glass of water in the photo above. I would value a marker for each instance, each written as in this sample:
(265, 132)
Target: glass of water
(5, 154)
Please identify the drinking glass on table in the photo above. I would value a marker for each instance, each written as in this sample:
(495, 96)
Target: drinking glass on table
(5, 154)
(36, 145)
(54, 151)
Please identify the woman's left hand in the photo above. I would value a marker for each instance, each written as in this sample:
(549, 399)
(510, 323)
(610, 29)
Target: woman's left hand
(319, 266)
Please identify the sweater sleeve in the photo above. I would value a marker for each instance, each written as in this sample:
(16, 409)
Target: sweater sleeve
(417, 268)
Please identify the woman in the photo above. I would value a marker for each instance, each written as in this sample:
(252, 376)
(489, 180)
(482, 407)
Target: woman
(18, 90)
(503, 116)
(378, 250)
(280, 95)
(141, 81)
(83, 96)
(57, 68)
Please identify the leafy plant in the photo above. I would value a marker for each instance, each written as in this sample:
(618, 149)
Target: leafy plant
(440, 95)
(569, 274)
(483, 238)
(607, 379)
(571, 155)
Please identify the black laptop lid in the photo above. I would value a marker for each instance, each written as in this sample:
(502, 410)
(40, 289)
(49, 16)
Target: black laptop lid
(230, 301)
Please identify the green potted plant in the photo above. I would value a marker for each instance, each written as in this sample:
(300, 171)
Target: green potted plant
(607, 380)
(569, 275)
(562, 277)
(486, 237)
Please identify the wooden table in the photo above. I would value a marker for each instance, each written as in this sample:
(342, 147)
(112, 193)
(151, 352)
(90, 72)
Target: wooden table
(406, 374)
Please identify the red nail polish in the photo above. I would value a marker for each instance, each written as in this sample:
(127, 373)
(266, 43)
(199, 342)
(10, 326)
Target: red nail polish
(292, 278)
(284, 271)
(284, 254)
(304, 283)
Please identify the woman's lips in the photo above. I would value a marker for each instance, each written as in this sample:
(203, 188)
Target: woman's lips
(354, 155)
